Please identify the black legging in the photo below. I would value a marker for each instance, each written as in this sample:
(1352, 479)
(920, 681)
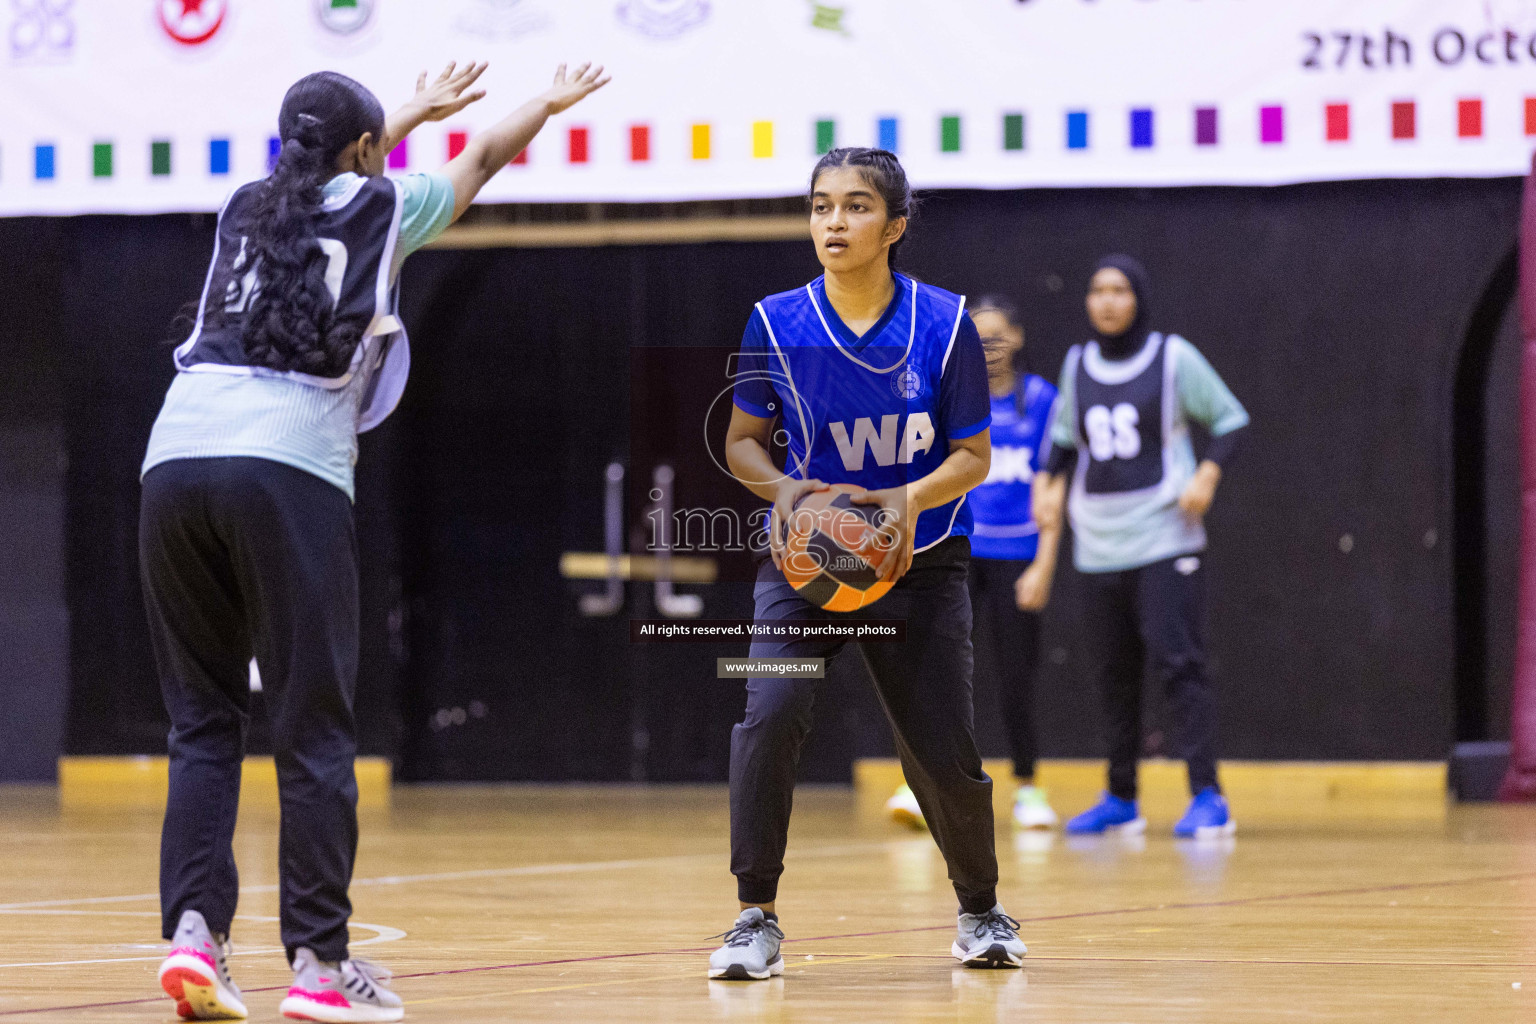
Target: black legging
(241, 556)
(1007, 643)
(1152, 616)
(924, 684)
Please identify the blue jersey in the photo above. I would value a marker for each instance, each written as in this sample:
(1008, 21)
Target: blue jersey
(877, 410)
(1005, 521)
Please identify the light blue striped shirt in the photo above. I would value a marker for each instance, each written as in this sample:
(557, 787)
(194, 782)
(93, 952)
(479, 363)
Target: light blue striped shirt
(1116, 532)
(218, 415)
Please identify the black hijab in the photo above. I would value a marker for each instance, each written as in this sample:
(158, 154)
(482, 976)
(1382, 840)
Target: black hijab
(1128, 342)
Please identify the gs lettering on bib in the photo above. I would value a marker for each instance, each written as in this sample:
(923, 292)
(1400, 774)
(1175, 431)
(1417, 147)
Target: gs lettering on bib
(358, 232)
(1123, 413)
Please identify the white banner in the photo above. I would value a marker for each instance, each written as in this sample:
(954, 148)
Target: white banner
(160, 105)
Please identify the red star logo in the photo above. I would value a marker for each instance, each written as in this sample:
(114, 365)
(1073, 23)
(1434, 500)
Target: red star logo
(197, 22)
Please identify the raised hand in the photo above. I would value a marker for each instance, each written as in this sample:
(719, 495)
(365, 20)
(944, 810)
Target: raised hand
(489, 151)
(447, 95)
(571, 89)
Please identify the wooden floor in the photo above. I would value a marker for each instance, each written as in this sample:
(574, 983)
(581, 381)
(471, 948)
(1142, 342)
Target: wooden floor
(581, 904)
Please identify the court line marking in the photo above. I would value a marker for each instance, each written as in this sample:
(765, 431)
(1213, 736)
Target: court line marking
(832, 959)
(50, 912)
(1242, 901)
(382, 933)
(1214, 904)
(1239, 961)
(557, 868)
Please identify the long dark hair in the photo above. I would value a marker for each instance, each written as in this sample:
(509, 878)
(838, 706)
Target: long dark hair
(1009, 311)
(882, 172)
(292, 323)
(1000, 304)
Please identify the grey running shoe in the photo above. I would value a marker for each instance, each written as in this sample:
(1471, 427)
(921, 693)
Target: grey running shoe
(196, 973)
(353, 990)
(989, 940)
(751, 950)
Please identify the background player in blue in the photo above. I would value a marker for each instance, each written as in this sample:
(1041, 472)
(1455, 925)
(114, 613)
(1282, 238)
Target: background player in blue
(1137, 508)
(878, 381)
(246, 541)
(1013, 561)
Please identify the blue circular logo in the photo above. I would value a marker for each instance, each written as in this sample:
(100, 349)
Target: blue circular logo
(906, 383)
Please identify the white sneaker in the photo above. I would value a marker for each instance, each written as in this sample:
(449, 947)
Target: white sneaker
(1031, 809)
(196, 973)
(902, 806)
(988, 940)
(351, 991)
(751, 950)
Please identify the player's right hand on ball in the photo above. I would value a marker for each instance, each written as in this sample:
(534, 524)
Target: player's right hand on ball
(571, 89)
(789, 491)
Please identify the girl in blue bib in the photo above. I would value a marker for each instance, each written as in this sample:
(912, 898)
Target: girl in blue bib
(1013, 560)
(877, 380)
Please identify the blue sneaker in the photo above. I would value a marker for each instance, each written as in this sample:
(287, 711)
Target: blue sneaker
(1110, 814)
(1207, 818)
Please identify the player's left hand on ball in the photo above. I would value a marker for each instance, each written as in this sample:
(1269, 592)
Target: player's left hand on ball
(896, 531)
(447, 95)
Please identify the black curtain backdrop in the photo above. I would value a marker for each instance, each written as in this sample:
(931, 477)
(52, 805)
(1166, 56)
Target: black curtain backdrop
(1338, 313)
(34, 617)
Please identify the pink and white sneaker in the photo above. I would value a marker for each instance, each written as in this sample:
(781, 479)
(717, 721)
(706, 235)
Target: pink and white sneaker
(340, 993)
(196, 974)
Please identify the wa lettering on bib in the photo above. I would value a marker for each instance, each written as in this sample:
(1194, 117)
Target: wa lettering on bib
(867, 412)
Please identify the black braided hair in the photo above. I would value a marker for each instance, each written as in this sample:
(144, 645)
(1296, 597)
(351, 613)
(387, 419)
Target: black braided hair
(292, 323)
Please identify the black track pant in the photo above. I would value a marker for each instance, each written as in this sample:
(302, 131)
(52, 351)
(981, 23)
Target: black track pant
(1007, 651)
(924, 684)
(241, 556)
(1154, 615)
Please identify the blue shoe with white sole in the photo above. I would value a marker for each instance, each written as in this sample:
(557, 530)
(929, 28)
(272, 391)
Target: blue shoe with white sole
(1110, 814)
(1208, 817)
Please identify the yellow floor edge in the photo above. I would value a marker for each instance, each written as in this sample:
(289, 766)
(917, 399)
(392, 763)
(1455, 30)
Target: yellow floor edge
(1263, 789)
(1256, 789)
(143, 780)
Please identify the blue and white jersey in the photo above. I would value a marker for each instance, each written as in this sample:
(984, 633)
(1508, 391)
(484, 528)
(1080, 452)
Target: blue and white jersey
(1005, 520)
(875, 411)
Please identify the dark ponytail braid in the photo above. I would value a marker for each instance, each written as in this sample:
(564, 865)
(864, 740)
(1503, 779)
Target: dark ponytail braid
(292, 324)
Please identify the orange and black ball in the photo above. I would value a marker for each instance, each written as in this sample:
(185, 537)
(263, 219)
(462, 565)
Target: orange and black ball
(834, 549)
